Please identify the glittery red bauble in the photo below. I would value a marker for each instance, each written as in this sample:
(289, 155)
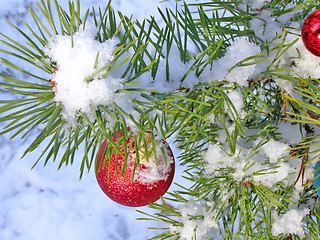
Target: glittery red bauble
(310, 33)
(151, 180)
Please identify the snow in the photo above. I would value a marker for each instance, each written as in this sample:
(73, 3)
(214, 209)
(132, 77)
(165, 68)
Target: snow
(177, 70)
(286, 86)
(218, 159)
(290, 133)
(267, 166)
(290, 222)
(155, 169)
(75, 67)
(197, 222)
(236, 98)
(297, 58)
(274, 150)
(49, 204)
(256, 4)
(239, 50)
(306, 66)
(274, 175)
(286, 18)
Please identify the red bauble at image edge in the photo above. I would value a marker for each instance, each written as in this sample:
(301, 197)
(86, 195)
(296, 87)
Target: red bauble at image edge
(151, 179)
(310, 33)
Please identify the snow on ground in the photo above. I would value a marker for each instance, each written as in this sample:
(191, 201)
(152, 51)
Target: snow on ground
(48, 204)
(44, 203)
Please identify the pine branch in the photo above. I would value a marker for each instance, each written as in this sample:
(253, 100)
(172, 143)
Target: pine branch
(226, 129)
(90, 133)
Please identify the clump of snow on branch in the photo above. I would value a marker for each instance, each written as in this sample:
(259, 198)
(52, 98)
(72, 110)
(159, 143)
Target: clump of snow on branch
(236, 98)
(77, 86)
(274, 149)
(305, 63)
(256, 4)
(266, 165)
(290, 222)
(155, 169)
(196, 222)
(170, 72)
(218, 159)
(239, 50)
(177, 69)
(287, 17)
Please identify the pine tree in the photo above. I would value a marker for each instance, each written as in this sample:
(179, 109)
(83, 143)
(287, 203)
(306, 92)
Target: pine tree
(229, 81)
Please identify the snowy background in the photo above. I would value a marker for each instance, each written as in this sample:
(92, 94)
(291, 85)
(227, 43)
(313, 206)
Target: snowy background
(44, 203)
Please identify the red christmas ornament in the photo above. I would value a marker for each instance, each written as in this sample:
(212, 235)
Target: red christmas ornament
(310, 33)
(151, 180)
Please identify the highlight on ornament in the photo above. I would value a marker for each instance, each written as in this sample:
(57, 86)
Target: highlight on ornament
(310, 33)
(135, 184)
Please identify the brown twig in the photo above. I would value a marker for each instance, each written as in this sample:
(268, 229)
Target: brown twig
(284, 107)
(310, 114)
